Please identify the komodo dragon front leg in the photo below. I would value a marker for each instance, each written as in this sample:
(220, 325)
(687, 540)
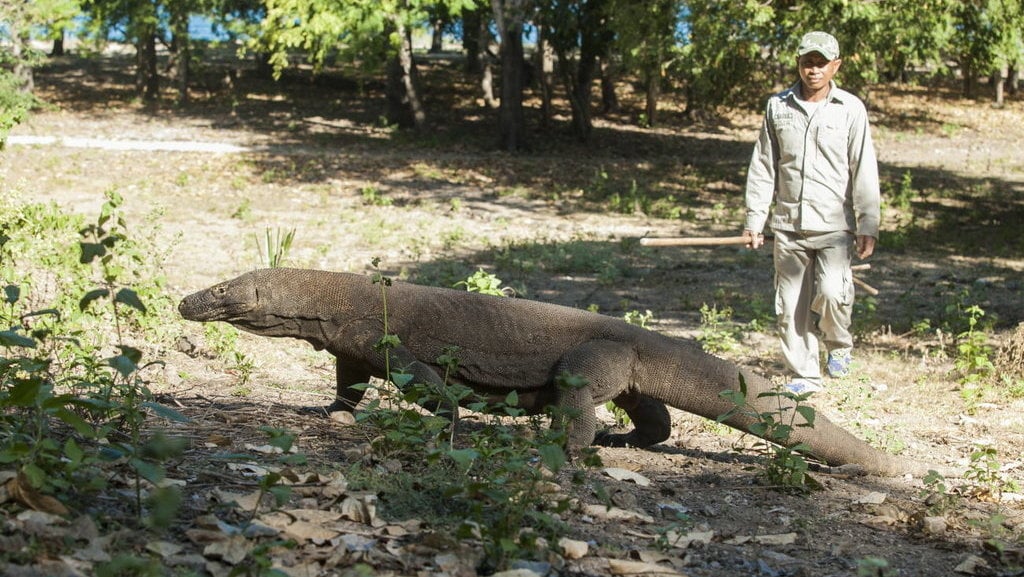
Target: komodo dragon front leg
(354, 368)
(608, 367)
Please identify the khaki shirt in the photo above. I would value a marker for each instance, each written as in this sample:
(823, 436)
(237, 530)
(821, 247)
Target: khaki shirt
(821, 170)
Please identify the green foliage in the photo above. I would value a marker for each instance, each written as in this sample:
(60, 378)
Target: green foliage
(973, 360)
(783, 465)
(15, 104)
(372, 196)
(638, 318)
(984, 474)
(72, 402)
(484, 283)
(275, 246)
(875, 567)
(578, 257)
(718, 332)
(493, 475)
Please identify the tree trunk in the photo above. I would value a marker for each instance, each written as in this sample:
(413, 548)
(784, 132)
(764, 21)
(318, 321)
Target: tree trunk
(1013, 80)
(1000, 81)
(20, 68)
(472, 35)
(486, 62)
(180, 54)
(509, 16)
(593, 45)
(58, 45)
(147, 77)
(609, 100)
(404, 106)
(653, 89)
(546, 56)
(437, 37)
(968, 78)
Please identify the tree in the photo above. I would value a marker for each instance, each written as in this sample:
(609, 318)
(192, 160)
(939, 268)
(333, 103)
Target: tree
(646, 40)
(510, 15)
(728, 54)
(989, 37)
(137, 22)
(580, 34)
(20, 22)
(376, 32)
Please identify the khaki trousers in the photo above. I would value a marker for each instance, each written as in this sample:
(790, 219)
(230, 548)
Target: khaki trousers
(813, 286)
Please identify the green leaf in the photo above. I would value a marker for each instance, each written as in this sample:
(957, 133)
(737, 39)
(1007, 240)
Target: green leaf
(12, 293)
(464, 457)
(148, 471)
(281, 494)
(401, 379)
(124, 365)
(130, 298)
(553, 457)
(91, 251)
(25, 393)
(73, 452)
(166, 412)
(13, 339)
(35, 476)
(92, 296)
(294, 459)
(80, 425)
(807, 413)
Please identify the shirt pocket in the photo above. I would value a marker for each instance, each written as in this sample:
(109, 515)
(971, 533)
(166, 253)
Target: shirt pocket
(832, 167)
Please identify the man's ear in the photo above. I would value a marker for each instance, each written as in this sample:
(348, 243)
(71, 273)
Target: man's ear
(839, 63)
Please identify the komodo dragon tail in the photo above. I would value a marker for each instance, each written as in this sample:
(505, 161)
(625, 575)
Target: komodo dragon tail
(699, 393)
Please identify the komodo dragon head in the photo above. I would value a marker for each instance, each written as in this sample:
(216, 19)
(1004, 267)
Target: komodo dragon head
(230, 301)
(275, 302)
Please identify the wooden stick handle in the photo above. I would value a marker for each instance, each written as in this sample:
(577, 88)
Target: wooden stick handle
(865, 266)
(867, 288)
(693, 241)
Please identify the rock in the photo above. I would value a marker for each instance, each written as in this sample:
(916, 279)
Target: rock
(934, 525)
(573, 549)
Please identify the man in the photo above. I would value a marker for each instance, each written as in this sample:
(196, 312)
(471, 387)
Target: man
(815, 159)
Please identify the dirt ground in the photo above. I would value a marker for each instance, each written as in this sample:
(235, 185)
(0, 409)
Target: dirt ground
(312, 157)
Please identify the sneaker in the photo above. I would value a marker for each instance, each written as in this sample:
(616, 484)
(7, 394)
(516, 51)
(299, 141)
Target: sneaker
(802, 387)
(839, 363)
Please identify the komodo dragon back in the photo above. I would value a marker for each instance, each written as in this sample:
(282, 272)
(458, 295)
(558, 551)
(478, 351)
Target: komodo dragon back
(513, 344)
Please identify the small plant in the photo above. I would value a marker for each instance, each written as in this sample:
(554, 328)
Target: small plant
(783, 464)
(937, 495)
(372, 196)
(244, 211)
(983, 474)
(638, 318)
(484, 283)
(718, 332)
(275, 246)
(875, 567)
(973, 359)
(493, 475)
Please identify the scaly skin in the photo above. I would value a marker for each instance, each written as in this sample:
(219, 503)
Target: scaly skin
(511, 344)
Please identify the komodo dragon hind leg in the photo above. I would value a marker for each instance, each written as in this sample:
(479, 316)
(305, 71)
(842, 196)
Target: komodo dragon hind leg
(651, 423)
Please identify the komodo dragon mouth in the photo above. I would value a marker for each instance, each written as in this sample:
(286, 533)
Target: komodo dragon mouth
(223, 302)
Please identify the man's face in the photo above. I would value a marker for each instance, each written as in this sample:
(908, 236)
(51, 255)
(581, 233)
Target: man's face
(816, 71)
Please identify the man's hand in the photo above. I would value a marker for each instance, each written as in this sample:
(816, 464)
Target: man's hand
(754, 240)
(865, 246)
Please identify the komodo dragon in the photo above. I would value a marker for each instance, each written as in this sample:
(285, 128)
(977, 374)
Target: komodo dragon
(507, 344)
